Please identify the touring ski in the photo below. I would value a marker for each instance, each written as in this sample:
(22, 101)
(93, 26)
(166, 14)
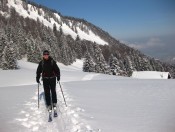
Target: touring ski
(50, 116)
(55, 112)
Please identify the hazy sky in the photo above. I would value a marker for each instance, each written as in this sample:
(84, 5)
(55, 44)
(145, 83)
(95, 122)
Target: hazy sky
(148, 25)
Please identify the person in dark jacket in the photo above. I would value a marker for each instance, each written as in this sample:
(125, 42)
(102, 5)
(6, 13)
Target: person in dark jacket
(49, 71)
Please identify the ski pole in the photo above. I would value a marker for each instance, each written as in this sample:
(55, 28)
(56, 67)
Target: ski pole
(38, 95)
(62, 93)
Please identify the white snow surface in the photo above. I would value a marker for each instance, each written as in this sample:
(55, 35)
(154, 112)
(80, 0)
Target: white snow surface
(96, 102)
(32, 13)
(150, 75)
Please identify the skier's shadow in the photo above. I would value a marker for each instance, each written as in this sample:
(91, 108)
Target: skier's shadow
(42, 96)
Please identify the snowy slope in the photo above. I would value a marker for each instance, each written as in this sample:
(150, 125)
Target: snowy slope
(150, 75)
(32, 12)
(96, 103)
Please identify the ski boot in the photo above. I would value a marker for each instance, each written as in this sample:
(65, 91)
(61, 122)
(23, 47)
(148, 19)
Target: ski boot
(50, 113)
(55, 114)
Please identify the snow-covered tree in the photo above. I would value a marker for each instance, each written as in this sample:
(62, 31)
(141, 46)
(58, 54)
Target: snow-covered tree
(9, 60)
(101, 66)
(114, 65)
(65, 50)
(88, 64)
(33, 52)
(77, 38)
(3, 43)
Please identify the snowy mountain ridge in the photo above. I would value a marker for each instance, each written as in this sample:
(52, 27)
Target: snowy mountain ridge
(36, 13)
(26, 29)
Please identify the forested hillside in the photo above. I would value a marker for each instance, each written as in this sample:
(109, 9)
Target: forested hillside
(68, 39)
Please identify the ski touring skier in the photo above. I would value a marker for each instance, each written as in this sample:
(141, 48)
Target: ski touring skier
(50, 72)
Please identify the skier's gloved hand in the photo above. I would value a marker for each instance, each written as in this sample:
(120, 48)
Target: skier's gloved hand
(37, 79)
(58, 78)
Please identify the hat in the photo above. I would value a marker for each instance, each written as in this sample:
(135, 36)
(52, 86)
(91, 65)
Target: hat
(45, 52)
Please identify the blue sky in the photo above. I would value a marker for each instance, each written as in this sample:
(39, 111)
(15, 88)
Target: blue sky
(136, 22)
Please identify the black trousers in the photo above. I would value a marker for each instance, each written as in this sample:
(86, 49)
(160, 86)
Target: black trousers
(50, 89)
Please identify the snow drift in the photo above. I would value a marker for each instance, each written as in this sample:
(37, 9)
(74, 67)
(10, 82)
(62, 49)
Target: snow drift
(151, 75)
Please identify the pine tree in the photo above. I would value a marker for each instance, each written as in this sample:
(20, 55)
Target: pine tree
(77, 38)
(64, 50)
(3, 43)
(61, 30)
(88, 64)
(78, 49)
(9, 60)
(33, 52)
(146, 64)
(114, 65)
(101, 66)
(20, 38)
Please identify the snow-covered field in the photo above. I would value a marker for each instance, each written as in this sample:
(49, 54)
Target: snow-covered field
(96, 102)
(150, 75)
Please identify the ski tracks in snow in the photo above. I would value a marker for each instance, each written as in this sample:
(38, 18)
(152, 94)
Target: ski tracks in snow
(73, 114)
(36, 120)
